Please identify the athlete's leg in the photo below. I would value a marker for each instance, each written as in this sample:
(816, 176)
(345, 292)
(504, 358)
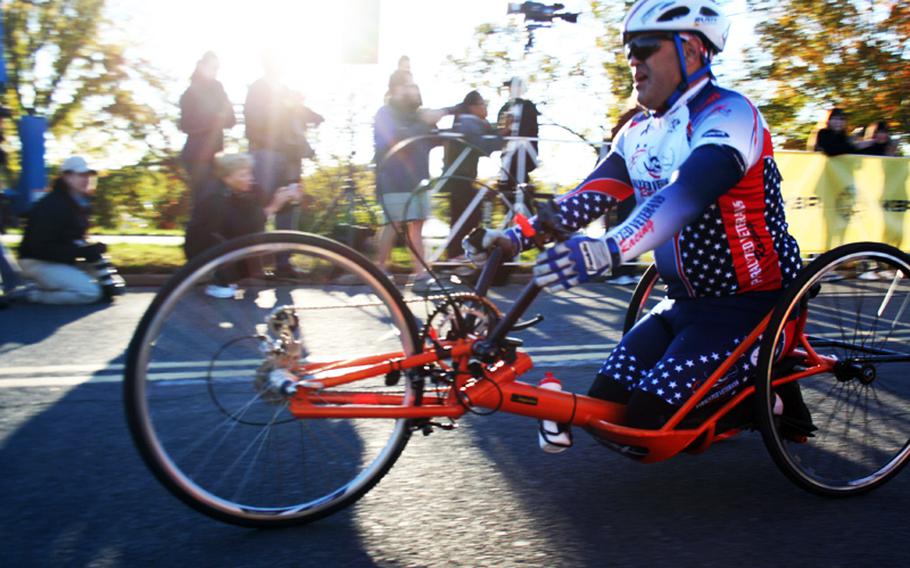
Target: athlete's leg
(638, 351)
(705, 334)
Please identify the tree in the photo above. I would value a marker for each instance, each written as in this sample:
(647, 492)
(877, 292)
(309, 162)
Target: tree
(62, 65)
(500, 52)
(817, 53)
(615, 64)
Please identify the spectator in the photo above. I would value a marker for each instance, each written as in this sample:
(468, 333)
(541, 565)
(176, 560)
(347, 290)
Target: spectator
(205, 112)
(276, 127)
(398, 177)
(404, 63)
(832, 138)
(470, 120)
(54, 243)
(881, 142)
(13, 286)
(519, 117)
(233, 206)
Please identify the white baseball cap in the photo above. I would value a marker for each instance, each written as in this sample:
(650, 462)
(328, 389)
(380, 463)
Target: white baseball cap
(77, 165)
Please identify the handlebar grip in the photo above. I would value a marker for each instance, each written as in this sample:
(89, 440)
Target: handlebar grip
(475, 238)
(494, 262)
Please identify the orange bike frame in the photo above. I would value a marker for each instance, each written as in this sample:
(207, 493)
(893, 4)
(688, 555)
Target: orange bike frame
(318, 395)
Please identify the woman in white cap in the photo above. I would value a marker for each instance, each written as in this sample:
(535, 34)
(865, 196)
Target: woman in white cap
(54, 252)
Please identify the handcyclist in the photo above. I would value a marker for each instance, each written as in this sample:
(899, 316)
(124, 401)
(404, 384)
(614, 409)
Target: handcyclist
(698, 160)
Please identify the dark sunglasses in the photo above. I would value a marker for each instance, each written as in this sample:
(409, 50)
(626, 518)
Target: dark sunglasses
(643, 47)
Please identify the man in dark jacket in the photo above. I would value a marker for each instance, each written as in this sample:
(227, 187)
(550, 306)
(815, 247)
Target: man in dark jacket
(205, 112)
(276, 123)
(471, 121)
(55, 241)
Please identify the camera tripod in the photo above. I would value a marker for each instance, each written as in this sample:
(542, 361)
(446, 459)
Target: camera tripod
(339, 220)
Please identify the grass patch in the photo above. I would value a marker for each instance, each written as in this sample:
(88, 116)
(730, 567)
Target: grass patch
(146, 259)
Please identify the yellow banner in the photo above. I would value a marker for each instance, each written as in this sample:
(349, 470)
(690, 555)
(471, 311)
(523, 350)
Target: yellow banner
(831, 201)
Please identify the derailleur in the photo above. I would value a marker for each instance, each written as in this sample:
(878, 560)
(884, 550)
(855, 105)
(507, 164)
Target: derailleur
(281, 343)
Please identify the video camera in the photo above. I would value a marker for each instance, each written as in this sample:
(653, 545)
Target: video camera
(540, 12)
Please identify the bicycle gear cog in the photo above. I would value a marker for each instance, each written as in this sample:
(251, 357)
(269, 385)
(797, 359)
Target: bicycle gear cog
(461, 315)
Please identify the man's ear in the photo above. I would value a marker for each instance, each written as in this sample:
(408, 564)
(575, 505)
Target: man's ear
(693, 50)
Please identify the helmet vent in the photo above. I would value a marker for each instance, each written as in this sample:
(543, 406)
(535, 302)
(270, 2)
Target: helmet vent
(673, 14)
(707, 12)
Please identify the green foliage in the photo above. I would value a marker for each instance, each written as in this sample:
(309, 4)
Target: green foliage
(615, 64)
(62, 65)
(148, 194)
(327, 203)
(815, 54)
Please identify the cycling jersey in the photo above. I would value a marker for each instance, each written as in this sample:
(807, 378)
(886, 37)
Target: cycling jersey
(709, 239)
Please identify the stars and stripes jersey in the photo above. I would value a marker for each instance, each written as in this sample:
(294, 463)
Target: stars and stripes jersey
(713, 234)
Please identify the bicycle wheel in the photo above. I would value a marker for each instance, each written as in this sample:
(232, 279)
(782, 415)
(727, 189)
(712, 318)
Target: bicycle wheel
(206, 409)
(643, 298)
(851, 433)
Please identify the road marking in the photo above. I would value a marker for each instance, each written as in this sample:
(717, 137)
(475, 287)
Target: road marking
(75, 375)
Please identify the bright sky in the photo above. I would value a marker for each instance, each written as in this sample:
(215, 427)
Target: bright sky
(172, 34)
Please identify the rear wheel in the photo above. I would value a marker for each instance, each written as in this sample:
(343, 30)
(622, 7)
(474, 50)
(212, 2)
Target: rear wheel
(856, 301)
(643, 299)
(206, 391)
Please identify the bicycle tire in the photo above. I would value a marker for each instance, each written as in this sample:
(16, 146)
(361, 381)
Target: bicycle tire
(640, 297)
(859, 409)
(211, 426)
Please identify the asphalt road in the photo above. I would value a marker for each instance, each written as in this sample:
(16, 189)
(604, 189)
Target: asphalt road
(74, 491)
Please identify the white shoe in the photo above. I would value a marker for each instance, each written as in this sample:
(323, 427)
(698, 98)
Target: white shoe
(428, 286)
(553, 438)
(223, 292)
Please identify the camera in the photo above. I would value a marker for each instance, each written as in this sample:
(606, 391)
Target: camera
(102, 269)
(540, 12)
(112, 284)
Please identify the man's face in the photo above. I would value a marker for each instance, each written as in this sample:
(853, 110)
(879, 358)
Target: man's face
(209, 68)
(837, 123)
(407, 95)
(479, 110)
(655, 68)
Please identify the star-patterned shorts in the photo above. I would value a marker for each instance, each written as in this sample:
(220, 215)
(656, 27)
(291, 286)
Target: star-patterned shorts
(680, 343)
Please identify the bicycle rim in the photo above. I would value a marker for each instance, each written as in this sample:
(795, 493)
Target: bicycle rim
(203, 408)
(858, 302)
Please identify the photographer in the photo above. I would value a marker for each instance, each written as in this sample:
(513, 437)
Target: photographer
(54, 243)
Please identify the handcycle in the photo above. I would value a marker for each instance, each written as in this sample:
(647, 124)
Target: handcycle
(292, 400)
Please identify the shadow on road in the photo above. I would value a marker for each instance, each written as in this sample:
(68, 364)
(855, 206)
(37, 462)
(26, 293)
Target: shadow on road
(43, 321)
(75, 492)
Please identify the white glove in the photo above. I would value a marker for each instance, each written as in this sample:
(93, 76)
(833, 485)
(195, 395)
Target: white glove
(572, 262)
(490, 239)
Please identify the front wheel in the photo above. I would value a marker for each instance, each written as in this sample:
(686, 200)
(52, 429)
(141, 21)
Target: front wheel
(834, 406)
(205, 400)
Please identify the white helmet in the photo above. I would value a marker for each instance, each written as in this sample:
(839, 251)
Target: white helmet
(702, 16)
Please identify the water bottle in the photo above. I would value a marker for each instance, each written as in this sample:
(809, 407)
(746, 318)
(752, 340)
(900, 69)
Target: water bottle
(553, 439)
